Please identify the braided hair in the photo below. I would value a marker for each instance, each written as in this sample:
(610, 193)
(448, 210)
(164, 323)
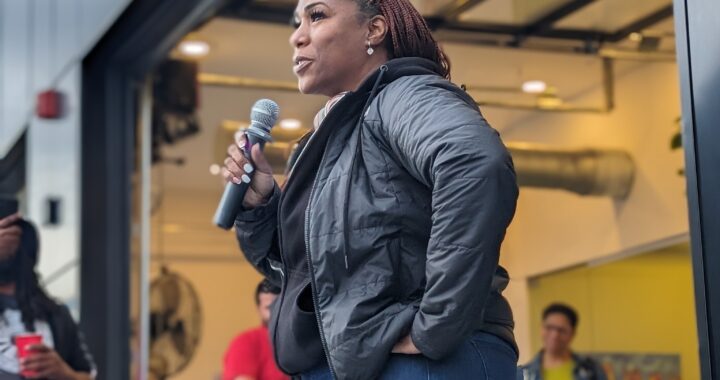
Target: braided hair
(410, 35)
(33, 301)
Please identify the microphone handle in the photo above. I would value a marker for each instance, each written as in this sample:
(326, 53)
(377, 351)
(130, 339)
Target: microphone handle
(232, 198)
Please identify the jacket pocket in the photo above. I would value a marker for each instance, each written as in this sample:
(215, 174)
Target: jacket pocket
(298, 344)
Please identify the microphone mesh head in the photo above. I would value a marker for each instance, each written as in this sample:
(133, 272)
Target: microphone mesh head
(264, 114)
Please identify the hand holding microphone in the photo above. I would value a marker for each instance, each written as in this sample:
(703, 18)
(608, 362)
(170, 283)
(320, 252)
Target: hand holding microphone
(248, 173)
(237, 166)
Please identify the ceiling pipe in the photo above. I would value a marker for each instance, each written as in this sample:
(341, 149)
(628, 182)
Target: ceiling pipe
(634, 55)
(608, 79)
(588, 172)
(220, 80)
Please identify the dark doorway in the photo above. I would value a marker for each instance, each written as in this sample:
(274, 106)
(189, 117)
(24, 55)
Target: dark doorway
(112, 73)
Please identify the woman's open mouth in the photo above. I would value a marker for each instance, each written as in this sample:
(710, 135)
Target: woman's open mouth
(301, 63)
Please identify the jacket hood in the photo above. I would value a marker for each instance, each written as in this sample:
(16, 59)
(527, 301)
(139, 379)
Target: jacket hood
(398, 68)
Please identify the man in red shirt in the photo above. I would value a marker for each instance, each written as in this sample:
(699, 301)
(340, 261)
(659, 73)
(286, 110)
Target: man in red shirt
(249, 356)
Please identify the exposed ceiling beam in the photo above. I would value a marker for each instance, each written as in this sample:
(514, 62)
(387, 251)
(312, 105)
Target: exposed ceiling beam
(643, 23)
(546, 22)
(514, 31)
(457, 7)
(276, 14)
(282, 14)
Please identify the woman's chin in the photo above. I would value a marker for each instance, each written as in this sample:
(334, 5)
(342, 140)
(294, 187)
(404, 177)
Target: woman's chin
(305, 86)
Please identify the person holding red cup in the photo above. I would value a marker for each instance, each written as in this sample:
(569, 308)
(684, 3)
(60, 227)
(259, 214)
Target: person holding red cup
(38, 337)
(24, 344)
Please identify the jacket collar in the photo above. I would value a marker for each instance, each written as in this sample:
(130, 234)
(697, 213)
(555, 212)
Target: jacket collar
(397, 68)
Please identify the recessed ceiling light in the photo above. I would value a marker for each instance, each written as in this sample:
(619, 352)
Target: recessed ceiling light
(214, 169)
(534, 87)
(636, 37)
(290, 124)
(194, 48)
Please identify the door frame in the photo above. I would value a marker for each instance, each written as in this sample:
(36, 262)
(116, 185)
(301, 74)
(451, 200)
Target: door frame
(112, 76)
(697, 49)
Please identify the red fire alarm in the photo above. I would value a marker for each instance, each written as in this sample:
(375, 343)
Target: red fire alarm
(49, 104)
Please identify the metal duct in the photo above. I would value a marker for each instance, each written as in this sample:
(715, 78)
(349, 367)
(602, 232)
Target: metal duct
(585, 172)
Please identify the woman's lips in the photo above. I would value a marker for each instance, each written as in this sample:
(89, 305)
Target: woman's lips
(301, 66)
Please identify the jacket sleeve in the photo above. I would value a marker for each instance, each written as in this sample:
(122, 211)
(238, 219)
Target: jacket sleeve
(75, 351)
(443, 141)
(256, 232)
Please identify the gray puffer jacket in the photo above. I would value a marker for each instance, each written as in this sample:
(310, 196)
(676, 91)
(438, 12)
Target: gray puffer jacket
(404, 224)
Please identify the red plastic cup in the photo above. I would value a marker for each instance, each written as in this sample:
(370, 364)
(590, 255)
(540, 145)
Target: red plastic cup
(22, 342)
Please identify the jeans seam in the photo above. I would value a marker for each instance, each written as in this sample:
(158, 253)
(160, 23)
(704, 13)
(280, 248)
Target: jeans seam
(482, 359)
(506, 348)
(427, 368)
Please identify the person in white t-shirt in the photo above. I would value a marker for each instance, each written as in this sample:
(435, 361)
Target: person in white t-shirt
(25, 308)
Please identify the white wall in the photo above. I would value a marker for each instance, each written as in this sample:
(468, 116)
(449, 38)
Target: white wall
(42, 44)
(553, 230)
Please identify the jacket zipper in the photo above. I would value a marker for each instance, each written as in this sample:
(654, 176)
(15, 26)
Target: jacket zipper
(282, 259)
(312, 272)
(313, 285)
(310, 269)
(333, 374)
(358, 151)
(284, 279)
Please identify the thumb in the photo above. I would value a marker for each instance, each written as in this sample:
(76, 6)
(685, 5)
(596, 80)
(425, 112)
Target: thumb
(259, 160)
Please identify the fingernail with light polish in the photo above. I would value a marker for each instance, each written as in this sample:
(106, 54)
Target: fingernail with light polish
(248, 168)
(245, 178)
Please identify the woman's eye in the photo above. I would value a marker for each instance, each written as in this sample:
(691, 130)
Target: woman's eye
(316, 15)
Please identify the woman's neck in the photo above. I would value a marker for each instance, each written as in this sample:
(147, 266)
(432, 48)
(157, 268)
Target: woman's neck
(370, 66)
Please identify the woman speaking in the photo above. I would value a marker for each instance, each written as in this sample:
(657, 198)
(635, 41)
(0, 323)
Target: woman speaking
(386, 235)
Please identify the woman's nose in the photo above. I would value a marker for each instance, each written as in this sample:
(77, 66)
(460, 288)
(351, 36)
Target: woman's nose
(299, 37)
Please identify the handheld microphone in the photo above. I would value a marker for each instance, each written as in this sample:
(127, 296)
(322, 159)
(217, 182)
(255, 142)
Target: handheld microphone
(263, 115)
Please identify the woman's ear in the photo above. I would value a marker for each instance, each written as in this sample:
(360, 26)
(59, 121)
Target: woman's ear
(377, 30)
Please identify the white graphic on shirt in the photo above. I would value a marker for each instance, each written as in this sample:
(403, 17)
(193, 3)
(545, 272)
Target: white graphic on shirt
(11, 325)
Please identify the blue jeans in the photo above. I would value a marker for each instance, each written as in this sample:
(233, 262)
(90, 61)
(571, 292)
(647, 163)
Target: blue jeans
(482, 357)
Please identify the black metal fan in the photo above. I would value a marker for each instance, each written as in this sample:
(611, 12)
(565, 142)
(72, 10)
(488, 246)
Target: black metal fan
(175, 323)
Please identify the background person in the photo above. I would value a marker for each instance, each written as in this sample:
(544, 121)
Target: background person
(249, 356)
(25, 308)
(557, 361)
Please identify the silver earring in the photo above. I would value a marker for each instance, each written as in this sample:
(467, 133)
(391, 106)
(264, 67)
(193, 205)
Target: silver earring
(370, 50)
